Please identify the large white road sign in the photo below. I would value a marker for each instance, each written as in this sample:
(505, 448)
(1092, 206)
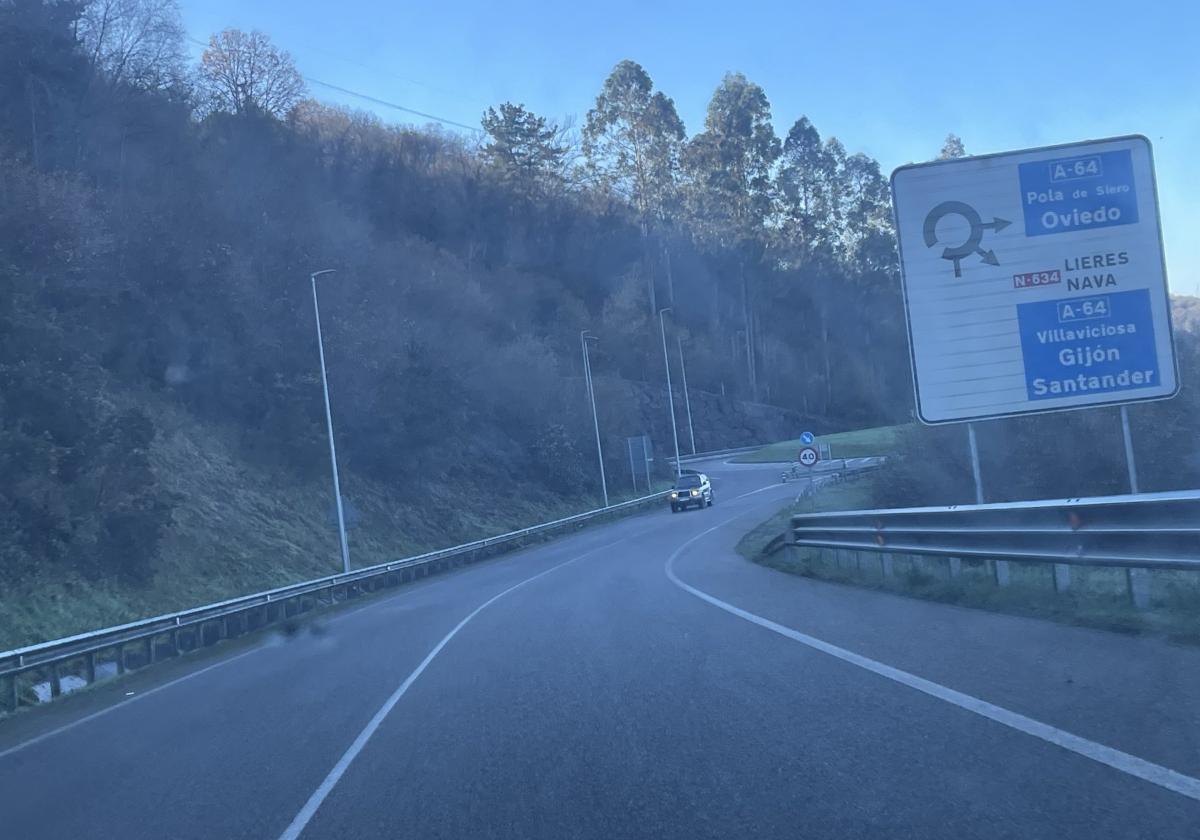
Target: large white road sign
(1034, 280)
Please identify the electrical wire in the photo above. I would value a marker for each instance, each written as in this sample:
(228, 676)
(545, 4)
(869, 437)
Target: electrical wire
(374, 99)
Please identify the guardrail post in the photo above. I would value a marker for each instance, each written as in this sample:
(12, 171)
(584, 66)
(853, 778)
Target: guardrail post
(955, 566)
(885, 565)
(121, 666)
(1062, 577)
(1002, 572)
(149, 650)
(1139, 587)
(89, 667)
(55, 681)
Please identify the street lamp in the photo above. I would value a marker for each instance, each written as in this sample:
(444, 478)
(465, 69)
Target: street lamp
(584, 338)
(662, 325)
(337, 487)
(686, 399)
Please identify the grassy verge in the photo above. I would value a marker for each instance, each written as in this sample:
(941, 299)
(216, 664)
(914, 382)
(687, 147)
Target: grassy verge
(1097, 597)
(239, 529)
(860, 443)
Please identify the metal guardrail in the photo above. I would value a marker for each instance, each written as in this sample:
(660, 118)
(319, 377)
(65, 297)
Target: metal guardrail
(851, 466)
(1134, 532)
(1148, 531)
(234, 617)
(718, 453)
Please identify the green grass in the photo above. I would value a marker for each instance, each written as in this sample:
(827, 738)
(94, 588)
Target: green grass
(860, 443)
(1097, 598)
(850, 495)
(239, 529)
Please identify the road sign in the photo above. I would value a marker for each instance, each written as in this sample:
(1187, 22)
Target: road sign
(1034, 280)
(349, 513)
(808, 457)
(806, 438)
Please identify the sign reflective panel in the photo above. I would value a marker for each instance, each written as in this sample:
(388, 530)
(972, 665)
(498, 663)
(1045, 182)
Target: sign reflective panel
(1034, 280)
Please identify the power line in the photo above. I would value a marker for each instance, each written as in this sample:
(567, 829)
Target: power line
(387, 104)
(380, 71)
(373, 99)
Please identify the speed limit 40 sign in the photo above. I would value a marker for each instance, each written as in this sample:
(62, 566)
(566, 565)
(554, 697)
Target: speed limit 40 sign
(808, 456)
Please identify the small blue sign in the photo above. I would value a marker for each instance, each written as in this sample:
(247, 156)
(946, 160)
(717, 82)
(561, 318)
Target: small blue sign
(1084, 345)
(1078, 193)
(807, 438)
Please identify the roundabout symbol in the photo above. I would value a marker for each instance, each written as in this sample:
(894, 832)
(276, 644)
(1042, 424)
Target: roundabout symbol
(972, 244)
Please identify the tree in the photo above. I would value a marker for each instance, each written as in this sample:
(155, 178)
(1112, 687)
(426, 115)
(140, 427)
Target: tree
(730, 161)
(42, 79)
(135, 42)
(730, 164)
(242, 72)
(801, 184)
(952, 148)
(867, 208)
(632, 139)
(524, 147)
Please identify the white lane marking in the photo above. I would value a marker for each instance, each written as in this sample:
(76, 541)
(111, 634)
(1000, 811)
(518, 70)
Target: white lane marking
(759, 490)
(1122, 761)
(147, 693)
(314, 802)
(417, 587)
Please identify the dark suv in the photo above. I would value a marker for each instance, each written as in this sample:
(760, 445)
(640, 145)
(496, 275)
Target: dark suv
(691, 489)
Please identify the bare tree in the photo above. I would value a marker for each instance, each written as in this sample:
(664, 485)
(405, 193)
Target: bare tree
(137, 42)
(242, 71)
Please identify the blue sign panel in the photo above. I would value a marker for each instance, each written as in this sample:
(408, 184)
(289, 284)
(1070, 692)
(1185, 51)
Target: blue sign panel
(1088, 345)
(807, 438)
(1078, 193)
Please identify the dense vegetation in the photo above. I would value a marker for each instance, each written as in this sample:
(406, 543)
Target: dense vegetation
(159, 223)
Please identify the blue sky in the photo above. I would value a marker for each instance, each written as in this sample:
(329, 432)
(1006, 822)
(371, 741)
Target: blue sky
(888, 79)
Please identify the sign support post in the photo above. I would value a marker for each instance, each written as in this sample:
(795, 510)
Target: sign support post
(646, 461)
(632, 469)
(1130, 462)
(975, 464)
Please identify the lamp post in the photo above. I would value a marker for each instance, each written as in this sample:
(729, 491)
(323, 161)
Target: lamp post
(662, 325)
(584, 338)
(337, 487)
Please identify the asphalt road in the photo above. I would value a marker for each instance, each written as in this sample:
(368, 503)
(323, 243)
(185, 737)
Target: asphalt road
(634, 680)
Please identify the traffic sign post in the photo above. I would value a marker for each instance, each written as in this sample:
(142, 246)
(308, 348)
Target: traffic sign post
(1034, 281)
(808, 457)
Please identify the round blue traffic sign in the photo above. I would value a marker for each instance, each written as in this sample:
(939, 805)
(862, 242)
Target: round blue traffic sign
(807, 438)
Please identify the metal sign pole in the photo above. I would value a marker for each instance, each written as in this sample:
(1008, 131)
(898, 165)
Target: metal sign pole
(646, 461)
(975, 464)
(1129, 459)
(632, 469)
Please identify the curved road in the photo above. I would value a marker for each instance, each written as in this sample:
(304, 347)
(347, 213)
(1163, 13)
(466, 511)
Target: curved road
(634, 680)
